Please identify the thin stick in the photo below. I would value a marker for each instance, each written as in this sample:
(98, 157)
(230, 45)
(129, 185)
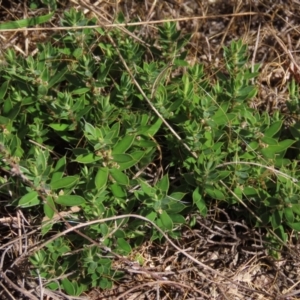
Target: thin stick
(132, 24)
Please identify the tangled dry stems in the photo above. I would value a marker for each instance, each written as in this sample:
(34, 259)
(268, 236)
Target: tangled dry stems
(235, 251)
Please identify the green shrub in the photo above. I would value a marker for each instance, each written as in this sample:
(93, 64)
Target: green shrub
(76, 132)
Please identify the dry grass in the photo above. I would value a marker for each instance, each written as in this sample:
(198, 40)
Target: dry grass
(243, 270)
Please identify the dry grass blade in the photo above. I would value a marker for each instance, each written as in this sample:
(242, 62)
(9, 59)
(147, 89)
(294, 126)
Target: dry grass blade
(120, 25)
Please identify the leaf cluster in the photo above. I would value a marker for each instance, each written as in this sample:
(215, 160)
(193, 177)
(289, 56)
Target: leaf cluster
(76, 132)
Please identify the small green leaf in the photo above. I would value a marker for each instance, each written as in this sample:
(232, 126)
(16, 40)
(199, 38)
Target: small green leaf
(220, 119)
(3, 90)
(153, 128)
(30, 199)
(176, 104)
(77, 53)
(89, 128)
(152, 216)
(116, 129)
(296, 209)
(14, 112)
(126, 161)
(249, 191)
(53, 286)
(49, 207)
(59, 170)
(122, 146)
(87, 159)
(270, 151)
(273, 129)
(4, 120)
(42, 90)
(276, 218)
(246, 92)
(181, 63)
(123, 246)
(80, 91)
(59, 126)
(281, 233)
(122, 158)
(177, 196)
(163, 184)
(146, 188)
(105, 283)
(166, 220)
(137, 155)
(68, 286)
(265, 217)
(46, 227)
(101, 178)
(215, 193)
(174, 206)
(58, 76)
(289, 215)
(271, 202)
(118, 190)
(79, 288)
(252, 146)
(269, 141)
(70, 200)
(223, 174)
(198, 200)
(295, 226)
(177, 219)
(104, 229)
(145, 143)
(119, 176)
(65, 183)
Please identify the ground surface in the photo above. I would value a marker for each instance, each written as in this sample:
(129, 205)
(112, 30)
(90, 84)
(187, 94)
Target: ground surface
(236, 252)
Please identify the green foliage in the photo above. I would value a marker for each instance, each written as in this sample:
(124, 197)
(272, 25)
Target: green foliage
(26, 22)
(75, 131)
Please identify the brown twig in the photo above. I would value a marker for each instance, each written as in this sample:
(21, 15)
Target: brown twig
(67, 28)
